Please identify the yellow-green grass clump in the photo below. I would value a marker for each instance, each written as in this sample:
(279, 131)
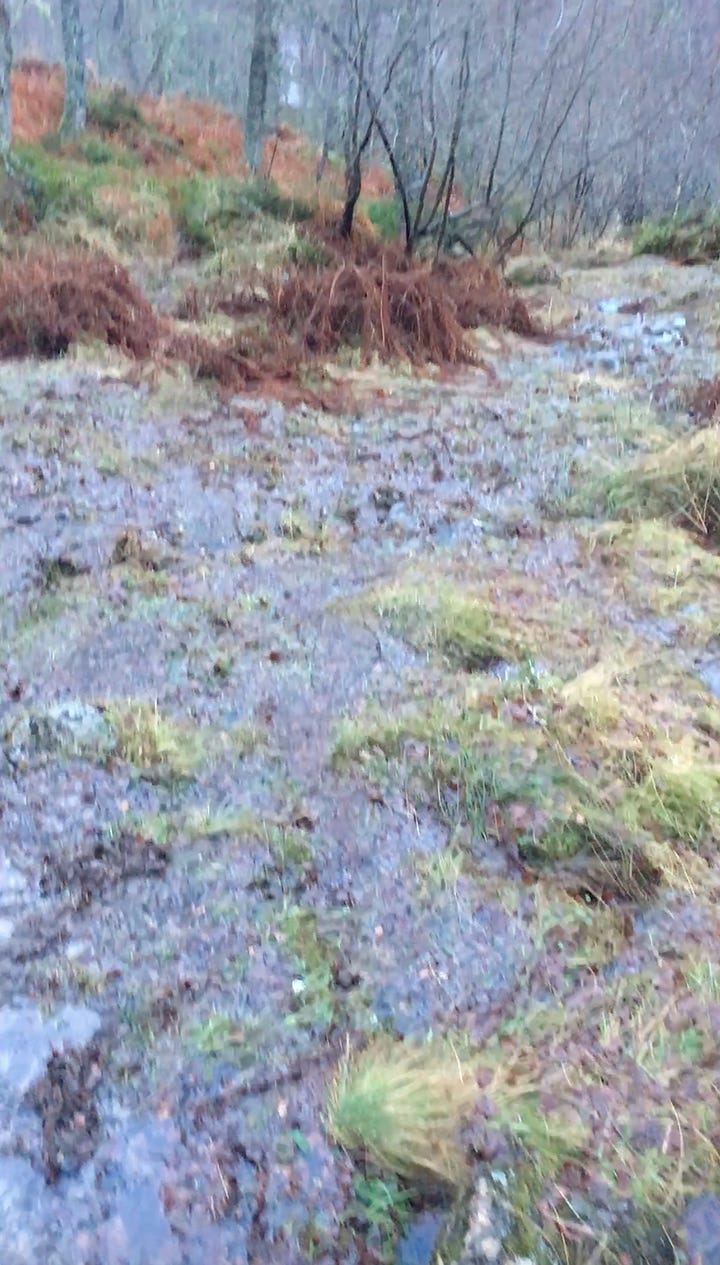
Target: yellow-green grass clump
(458, 623)
(680, 483)
(153, 742)
(402, 1105)
(660, 572)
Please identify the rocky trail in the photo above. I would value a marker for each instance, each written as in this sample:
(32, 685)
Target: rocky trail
(223, 860)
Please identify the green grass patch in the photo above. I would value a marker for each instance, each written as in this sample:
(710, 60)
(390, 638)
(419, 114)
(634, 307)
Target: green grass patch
(98, 152)
(461, 625)
(606, 768)
(154, 743)
(686, 238)
(313, 956)
(384, 214)
(114, 111)
(216, 1034)
(380, 1207)
(682, 796)
(54, 186)
(205, 209)
(210, 823)
(638, 1043)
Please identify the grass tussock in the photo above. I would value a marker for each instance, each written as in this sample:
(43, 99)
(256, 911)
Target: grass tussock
(662, 571)
(462, 626)
(680, 483)
(402, 1106)
(154, 743)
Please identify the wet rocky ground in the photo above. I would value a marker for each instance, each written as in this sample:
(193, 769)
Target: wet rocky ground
(202, 906)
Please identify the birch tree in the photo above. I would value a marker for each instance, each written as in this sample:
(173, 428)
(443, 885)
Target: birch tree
(262, 67)
(75, 105)
(5, 67)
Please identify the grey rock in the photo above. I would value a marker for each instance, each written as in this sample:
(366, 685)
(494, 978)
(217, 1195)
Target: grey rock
(487, 1227)
(70, 728)
(22, 1191)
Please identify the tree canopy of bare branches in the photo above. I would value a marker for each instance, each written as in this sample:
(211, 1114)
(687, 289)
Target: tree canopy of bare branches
(489, 116)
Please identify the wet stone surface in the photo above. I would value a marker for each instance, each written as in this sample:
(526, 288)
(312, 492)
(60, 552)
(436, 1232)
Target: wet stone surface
(199, 910)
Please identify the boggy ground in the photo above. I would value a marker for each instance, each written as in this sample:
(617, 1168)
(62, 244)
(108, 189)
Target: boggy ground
(317, 728)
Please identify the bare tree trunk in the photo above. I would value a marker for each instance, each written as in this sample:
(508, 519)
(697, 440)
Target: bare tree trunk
(353, 182)
(75, 107)
(264, 54)
(5, 67)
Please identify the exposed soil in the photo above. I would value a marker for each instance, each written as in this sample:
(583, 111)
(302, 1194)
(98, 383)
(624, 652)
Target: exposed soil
(197, 921)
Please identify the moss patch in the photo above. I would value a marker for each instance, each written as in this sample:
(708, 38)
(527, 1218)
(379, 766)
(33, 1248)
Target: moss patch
(661, 570)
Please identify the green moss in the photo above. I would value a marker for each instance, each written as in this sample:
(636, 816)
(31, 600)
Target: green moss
(606, 769)
(162, 827)
(380, 1207)
(98, 152)
(215, 1034)
(212, 823)
(114, 110)
(313, 955)
(663, 570)
(56, 186)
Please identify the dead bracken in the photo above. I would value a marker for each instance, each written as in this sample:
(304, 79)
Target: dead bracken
(398, 309)
(51, 298)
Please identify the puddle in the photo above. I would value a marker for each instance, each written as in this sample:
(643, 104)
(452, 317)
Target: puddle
(27, 1039)
(417, 1246)
(709, 674)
